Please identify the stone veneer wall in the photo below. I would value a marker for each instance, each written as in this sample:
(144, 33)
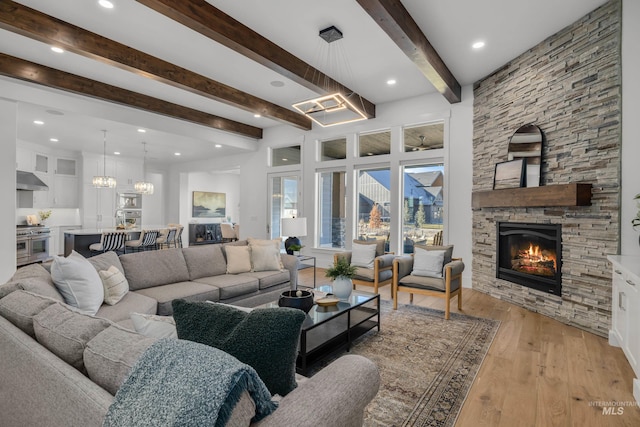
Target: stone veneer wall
(570, 86)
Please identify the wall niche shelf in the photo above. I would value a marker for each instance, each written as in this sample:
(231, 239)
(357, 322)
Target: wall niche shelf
(562, 195)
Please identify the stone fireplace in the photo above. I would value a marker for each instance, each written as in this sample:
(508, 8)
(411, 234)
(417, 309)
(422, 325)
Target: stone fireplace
(570, 87)
(530, 255)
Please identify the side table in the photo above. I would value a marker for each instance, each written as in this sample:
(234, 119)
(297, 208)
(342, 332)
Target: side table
(302, 264)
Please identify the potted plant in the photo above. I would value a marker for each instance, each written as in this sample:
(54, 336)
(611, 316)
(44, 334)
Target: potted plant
(341, 273)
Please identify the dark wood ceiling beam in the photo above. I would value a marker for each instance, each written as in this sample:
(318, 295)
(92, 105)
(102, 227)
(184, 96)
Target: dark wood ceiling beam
(396, 21)
(17, 68)
(39, 26)
(211, 22)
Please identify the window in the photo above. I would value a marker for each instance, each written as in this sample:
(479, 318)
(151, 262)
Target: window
(374, 203)
(283, 201)
(424, 137)
(422, 204)
(332, 202)
(333, 149)
(374, 144)
(285, 156)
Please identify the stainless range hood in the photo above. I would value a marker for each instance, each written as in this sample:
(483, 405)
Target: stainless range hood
(29, 181)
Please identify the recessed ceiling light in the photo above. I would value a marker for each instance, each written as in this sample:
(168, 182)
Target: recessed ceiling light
(142, 130)
(218, 146)
(478, 45)
(38, 122)
(106, 4)
(257, 116)
(277, 83)
(391, 82)
(117, 153)
(53, 139)
(57, 49)
(176, 154)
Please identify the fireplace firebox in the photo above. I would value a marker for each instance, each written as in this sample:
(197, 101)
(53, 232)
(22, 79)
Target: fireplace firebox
(530, 255)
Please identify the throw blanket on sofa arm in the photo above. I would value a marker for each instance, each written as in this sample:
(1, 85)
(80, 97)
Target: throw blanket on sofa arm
(183, 383)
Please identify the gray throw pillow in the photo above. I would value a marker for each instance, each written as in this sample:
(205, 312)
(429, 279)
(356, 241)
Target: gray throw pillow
(265, 339)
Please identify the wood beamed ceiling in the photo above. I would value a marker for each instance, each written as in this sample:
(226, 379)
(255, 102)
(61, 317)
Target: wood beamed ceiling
(207, 20)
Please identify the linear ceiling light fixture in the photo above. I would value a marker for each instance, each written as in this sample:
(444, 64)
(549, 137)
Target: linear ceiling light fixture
(144, 187)
(334, 108)
(104, 181)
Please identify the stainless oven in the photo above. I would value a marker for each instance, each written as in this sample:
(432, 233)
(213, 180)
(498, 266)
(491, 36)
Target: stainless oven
(32, 244)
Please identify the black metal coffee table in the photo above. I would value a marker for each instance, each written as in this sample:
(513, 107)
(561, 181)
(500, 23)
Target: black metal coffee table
(327, 330)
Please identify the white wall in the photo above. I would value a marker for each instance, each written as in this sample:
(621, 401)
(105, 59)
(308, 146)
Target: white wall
(8, 138)
(630, 115)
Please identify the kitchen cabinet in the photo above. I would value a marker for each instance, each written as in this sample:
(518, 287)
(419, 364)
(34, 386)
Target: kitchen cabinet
(625, 315)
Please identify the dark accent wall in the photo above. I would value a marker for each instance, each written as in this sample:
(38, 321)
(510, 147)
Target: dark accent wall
(570, 86)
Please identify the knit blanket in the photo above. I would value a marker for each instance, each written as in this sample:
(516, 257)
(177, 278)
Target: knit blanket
(183, 383)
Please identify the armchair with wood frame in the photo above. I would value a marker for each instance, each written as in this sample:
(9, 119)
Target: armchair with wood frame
(374, 267)
(430, 271)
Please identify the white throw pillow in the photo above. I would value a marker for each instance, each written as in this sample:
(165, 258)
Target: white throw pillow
(114, 283)
(265, 258)
(428, 263)
(154, 326)
(363, 255)
(238, 259)
(78, 282)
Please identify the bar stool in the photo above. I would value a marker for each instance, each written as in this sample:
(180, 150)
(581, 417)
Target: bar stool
(147, 241)
(110, 241)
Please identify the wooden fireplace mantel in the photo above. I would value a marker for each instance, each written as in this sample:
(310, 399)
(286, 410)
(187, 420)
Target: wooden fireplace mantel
(544, 196)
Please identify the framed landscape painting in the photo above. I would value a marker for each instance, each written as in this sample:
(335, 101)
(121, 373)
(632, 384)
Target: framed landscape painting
(209, 205)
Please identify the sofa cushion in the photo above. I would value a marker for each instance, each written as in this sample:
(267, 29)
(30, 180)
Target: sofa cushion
(267, 279)
(78, 282)
(66, 333)
(154, 326)
(238, 259)
(190, 291)
(114, 284)
(20, 307)
(266, 338)
(231, 285)
(132, 301)
(265, 258)
(105, 260)
(204, 260)
(35, 278)
(109, 356)
(154, 268)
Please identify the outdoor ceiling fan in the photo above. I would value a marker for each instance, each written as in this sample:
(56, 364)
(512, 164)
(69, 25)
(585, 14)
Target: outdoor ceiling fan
(421, 147)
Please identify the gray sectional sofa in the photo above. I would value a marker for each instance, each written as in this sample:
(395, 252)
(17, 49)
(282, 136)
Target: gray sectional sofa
(63, 368)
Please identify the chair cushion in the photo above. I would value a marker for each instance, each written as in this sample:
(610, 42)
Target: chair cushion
(66, 333)
(109, 356)
(363, 255)
(448, 254)
(266, 338)
(78, 282)
(377, 242)
(238, 259)
(115, 285)
(428, 263)
(430, 283)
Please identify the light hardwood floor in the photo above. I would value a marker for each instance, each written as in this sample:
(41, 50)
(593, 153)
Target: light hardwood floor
(538, 371)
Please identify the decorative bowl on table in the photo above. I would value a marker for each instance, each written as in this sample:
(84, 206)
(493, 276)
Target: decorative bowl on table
(302, 300)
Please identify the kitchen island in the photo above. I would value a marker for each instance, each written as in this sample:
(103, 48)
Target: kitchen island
(80, 239)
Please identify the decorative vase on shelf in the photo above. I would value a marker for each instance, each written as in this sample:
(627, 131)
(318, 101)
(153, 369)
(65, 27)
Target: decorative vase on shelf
(342, 287)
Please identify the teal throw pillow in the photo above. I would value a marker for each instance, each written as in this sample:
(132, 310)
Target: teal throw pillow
(265, 339)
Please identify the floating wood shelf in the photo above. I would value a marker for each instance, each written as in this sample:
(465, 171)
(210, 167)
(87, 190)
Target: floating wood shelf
(545, 196)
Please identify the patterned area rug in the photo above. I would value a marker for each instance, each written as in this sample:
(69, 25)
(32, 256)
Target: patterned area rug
(427, 364)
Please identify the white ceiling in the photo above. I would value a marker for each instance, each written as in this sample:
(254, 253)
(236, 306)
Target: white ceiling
(509, 27)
